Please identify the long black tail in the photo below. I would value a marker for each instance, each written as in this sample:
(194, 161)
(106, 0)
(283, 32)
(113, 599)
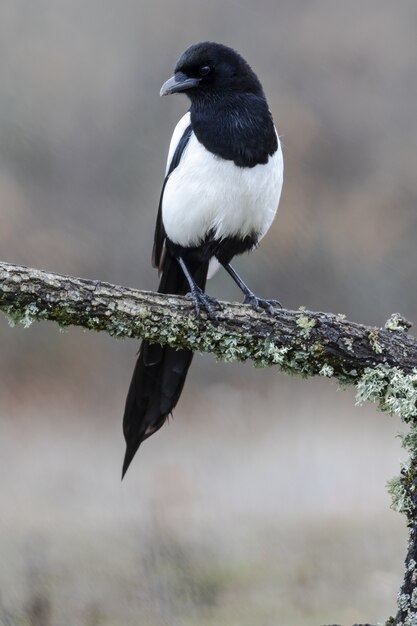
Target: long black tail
(160, 371)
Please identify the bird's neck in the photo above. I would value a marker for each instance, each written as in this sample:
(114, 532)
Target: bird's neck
(235, 127)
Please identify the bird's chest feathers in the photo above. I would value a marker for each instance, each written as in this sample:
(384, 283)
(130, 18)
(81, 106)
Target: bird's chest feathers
(208, 194)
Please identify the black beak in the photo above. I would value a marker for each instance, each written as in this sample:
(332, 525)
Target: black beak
(177, 83)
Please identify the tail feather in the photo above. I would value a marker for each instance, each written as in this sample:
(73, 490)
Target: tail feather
(160, 371)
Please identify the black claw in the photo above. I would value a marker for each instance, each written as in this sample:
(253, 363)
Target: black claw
(203, 301)
(275, 303)
(259, 303)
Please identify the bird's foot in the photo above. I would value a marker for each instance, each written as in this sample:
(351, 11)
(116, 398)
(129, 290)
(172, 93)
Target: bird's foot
(203, 301)
(259, 303)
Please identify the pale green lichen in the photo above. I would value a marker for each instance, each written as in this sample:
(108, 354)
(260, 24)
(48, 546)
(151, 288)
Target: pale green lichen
(373, 340)
(326, 370)
(24, 315)
(299, 362)
(317, 350)
(93, 322)
(231, 350)
(370, 387)
(117, 329)
(348, 341)
(347, 379)
(409, 441)
(393, 390)
(410, 620)
(403, 601)
(402, 488)
(27, 313)
(400, 499)
(270, 354)
(397, 323)
(306, 325)
(401, 395)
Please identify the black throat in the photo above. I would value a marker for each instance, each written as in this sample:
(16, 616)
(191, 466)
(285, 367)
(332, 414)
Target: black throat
(237, 127)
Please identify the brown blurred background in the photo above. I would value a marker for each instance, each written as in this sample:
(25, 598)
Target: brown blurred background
(264, 501)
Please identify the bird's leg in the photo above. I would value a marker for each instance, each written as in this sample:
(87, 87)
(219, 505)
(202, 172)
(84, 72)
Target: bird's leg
(250, 298)
(200, 299)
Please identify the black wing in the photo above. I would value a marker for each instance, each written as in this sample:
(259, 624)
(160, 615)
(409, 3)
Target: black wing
(159, 237)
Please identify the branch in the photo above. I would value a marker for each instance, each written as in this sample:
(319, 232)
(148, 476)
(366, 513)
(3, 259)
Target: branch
(300, 342)
(380, 362)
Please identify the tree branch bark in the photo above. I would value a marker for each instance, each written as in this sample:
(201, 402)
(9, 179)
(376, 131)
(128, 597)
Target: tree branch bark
(303, 342)
(380, 362)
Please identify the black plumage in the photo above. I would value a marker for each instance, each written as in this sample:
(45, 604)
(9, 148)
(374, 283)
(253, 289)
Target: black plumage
(219, 197)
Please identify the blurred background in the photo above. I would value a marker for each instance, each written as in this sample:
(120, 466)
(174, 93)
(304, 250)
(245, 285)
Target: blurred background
(263, 502)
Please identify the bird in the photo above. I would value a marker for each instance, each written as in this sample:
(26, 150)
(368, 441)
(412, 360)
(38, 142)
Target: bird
(220, 194)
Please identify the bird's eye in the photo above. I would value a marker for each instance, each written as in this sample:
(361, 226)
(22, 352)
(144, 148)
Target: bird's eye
(204, 70)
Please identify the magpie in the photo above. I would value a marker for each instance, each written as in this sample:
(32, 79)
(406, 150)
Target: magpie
(221, 191)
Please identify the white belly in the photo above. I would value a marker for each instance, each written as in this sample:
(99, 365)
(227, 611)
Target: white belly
(208, 194)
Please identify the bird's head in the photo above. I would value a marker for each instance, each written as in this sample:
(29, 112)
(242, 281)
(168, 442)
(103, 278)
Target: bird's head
(206, 68)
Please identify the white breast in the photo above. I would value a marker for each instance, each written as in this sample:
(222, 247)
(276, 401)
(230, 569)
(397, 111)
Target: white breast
(206, 193)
